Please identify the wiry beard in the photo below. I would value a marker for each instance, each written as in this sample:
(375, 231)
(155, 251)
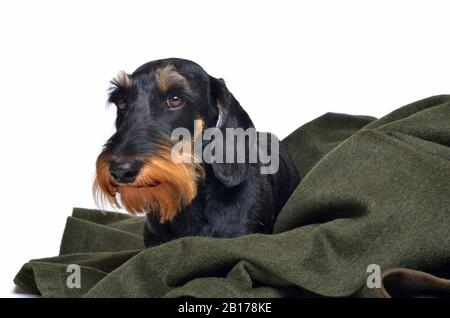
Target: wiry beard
(162, 187)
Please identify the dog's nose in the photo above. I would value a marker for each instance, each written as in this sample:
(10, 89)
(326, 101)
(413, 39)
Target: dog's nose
(124, 171)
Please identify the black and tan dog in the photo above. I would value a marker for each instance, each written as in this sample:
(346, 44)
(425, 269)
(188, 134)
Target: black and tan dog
(136, 169)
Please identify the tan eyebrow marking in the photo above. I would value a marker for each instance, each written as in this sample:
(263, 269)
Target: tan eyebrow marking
(167, 76)
(122, 79)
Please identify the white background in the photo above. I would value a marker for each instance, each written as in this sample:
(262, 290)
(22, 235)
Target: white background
(287, 62)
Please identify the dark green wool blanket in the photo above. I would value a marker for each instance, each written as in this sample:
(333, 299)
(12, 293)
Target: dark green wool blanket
(370, 218)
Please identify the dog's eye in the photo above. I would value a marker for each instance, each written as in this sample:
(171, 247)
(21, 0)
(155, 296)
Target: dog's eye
(121, 104)
(175, 101)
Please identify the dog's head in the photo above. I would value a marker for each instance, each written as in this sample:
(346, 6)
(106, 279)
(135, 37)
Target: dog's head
(137, 162)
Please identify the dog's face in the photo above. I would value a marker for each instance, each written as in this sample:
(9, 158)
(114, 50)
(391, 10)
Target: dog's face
(136, 162)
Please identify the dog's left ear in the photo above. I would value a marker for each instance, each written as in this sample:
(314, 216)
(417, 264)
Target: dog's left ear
(230, 115)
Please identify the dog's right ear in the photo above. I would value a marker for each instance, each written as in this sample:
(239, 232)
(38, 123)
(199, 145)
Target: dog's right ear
(230, 115)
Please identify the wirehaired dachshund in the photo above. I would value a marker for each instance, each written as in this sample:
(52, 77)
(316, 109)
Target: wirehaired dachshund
(180, 192)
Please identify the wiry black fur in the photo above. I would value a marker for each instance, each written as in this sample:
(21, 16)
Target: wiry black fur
(234, 199)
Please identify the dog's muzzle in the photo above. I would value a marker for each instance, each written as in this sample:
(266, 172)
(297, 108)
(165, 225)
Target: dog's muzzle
(154, 184)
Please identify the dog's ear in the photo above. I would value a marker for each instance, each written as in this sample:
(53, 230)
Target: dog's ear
(230, 115)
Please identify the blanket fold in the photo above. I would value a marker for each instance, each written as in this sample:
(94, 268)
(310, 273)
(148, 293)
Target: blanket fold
(374, 194)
